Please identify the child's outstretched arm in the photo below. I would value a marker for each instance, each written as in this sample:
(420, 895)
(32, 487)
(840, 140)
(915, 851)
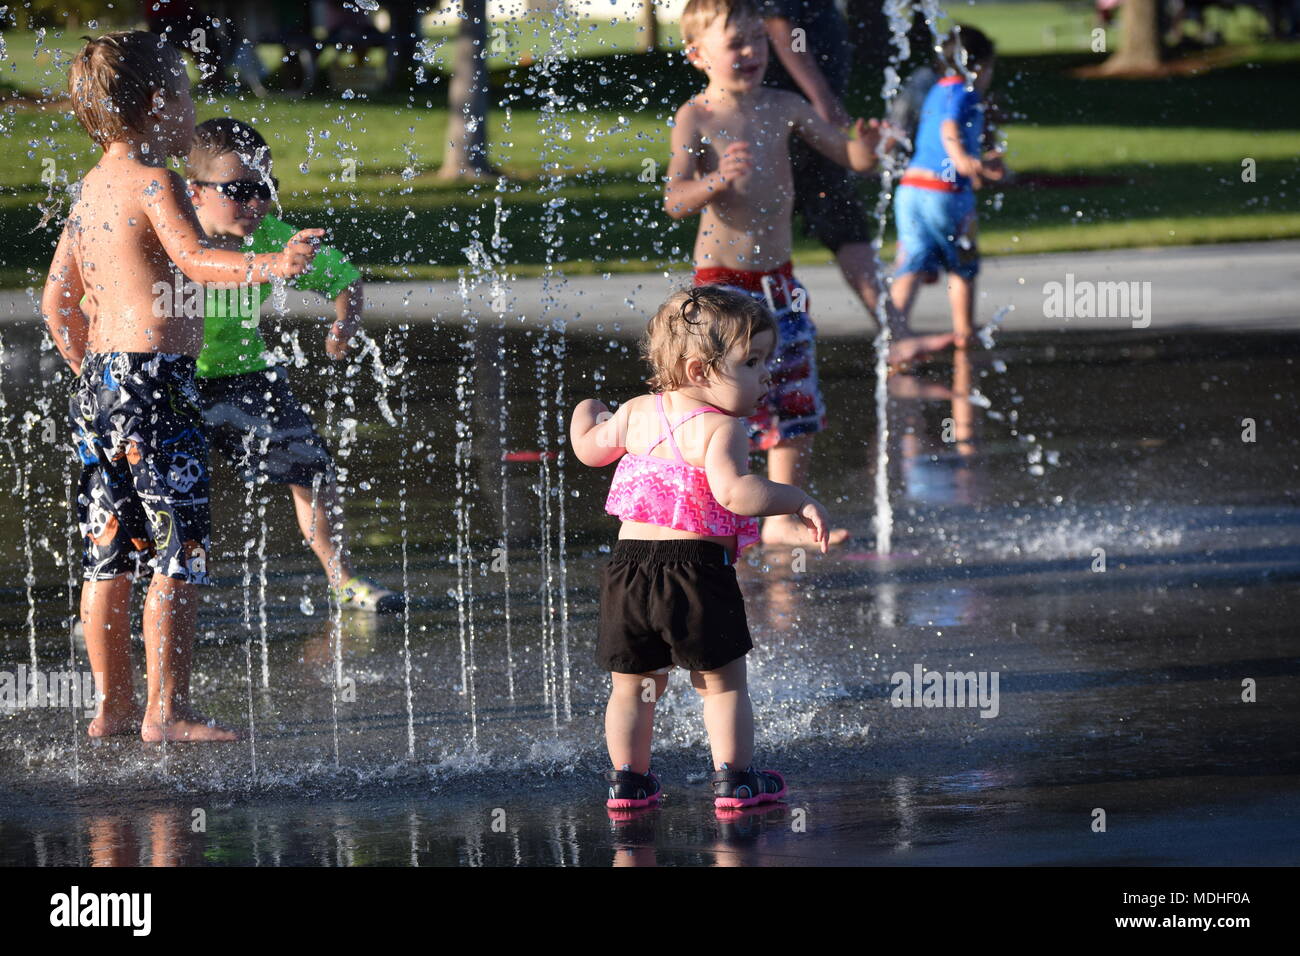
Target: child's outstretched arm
(802, 67)
(347, 311)
(598, 436)
(726, 464)
(177, 227)
(61, 305)
(857, 153)
(684, 194)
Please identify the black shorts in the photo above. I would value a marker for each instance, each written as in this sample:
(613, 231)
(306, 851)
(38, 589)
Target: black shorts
(670, 602)
(826, 198)
(143, 492)
(255, 422)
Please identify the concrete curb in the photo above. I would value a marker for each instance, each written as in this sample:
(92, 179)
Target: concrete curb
(1234, 285)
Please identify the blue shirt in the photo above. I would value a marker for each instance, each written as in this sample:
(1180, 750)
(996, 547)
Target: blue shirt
(949, 99)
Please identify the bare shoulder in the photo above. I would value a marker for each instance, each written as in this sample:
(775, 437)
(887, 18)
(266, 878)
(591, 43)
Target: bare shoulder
(688, 110)
(153, 178)
(139, 180)
(717, 430)
(725, 427)
(727, 440)
(637, 405)
(687, 118)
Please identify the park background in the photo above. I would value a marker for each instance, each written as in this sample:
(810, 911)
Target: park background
(1105, 157)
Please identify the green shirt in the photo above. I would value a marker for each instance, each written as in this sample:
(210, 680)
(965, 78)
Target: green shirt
(232, 341)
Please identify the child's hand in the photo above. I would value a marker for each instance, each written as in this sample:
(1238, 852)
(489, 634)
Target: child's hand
(972, 169)
(297, 254)
(992, 167)
(736, 164)
(338, 340)
(814, 515)
(863, 144)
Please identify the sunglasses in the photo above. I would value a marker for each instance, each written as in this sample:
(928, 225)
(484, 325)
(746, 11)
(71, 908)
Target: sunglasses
(244, 190)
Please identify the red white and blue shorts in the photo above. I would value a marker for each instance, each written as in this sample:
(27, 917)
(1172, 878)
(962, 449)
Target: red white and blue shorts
(793, 405)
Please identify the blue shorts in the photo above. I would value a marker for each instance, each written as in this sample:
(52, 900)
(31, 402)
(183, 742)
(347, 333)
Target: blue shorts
(936, 230)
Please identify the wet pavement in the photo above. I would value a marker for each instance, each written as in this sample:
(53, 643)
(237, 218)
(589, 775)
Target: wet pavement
(1077, 516)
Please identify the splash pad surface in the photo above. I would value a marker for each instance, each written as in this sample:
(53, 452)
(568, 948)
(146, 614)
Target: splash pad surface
(1118, 688)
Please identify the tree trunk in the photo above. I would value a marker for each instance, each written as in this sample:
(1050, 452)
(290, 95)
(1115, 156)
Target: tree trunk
(1139, 49)
(648, 40)
(467, 98)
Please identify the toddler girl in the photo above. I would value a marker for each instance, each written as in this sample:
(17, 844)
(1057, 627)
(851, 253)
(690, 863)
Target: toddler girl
(668, 596)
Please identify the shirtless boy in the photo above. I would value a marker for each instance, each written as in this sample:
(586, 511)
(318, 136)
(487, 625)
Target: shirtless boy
(731, 165)
(143, 492)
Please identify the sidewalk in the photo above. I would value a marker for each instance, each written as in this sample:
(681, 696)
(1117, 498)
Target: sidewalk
(1237, 285)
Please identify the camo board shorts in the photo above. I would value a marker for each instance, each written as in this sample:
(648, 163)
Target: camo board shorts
(793, 405)
(255, 422)
(143, 492)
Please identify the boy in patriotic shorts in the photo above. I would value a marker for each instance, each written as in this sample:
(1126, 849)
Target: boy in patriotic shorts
(730, 165)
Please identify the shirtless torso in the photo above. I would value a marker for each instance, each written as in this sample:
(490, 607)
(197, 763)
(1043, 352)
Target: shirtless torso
(748, 227)
(123, 264)
(731, 155)
(129, 223)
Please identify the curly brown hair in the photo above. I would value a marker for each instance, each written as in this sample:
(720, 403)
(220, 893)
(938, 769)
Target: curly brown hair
(703, 323)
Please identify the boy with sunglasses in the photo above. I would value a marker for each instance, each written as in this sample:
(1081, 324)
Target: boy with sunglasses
(252, 415)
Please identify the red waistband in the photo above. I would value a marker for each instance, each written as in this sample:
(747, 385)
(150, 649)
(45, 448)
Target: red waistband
(742, 278)
(924, 182)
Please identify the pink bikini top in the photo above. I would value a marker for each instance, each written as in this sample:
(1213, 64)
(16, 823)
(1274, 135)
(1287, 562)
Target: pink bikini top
(674, 494)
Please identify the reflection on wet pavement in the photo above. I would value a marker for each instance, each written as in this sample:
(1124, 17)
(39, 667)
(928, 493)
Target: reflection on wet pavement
(1076, 516)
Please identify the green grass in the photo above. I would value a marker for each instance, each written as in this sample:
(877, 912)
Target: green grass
(1166, 155)
(1033, 27)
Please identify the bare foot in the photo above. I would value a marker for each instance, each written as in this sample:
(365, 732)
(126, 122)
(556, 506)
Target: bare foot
(909, 348)
(184, 726)
(114, 723)
(787, 531)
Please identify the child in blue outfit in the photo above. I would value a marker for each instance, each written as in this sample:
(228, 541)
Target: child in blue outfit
(934, 206)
